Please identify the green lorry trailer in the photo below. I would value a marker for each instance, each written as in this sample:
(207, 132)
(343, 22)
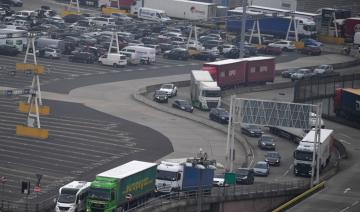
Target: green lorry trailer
(122, 187)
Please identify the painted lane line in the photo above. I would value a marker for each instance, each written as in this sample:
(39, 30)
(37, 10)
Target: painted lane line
(287, 172)
(345, 142)
(347, 190)
(345, 209)
(346, 136)
(354, 203)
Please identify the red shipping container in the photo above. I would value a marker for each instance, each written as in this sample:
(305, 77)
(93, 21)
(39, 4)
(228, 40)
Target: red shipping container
(351, 25)
(260, 70)
(227, 73)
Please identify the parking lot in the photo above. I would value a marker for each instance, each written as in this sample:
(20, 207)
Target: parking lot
(82, 142)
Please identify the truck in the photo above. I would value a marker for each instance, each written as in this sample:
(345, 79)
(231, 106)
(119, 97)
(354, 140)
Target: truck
(184, 9)
(239, 72)
(189, 175)
(347, 103)
(72, 196)
(349, 27)
(303, 154)
(279, 4)
(122, 187)
(205, 93)
(273, 25)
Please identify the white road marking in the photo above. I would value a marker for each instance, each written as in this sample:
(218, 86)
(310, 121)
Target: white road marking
(345, 209)
(140, 69)
(354, 203)
(345, 142)
(128, 70)
(346, 136)
(347, 190)
(287, 172)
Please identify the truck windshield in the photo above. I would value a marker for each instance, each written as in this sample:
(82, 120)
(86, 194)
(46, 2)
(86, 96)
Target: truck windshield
(300, 155)
(67, 195)
(211, 93)
(166, 175)
(99, 194)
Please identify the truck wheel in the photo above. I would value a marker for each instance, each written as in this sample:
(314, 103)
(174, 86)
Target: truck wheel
(115, 65)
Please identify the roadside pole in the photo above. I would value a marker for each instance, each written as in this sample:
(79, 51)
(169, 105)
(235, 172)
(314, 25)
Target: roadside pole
(243, 22)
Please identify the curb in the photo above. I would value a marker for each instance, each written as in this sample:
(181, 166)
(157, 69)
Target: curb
(300, 197)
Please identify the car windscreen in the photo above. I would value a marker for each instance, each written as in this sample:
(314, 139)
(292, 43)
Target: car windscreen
(261, 166)
(167, 86)
(67, 195)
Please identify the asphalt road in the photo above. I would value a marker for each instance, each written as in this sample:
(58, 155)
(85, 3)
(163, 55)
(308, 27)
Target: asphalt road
(82, 143)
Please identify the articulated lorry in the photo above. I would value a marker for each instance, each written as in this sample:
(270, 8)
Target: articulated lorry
(183, 9)
(205, 93)
(122, 187)
(303, 155)
(184, 176)
(273, 25)
(347, 103)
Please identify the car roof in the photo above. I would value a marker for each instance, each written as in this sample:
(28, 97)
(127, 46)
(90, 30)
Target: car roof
(261, 162)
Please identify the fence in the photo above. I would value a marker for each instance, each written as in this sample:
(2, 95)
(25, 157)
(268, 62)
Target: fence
(221, 194)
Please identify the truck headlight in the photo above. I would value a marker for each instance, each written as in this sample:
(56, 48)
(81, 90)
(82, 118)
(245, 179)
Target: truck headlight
(183, 108)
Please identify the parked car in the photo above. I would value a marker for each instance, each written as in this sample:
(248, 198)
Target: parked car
(170, 89)
(266, 142)
(226, 48)
(49, 53)
(272, 50)
(273, 158)
(262, 168)
(219, 182)
(324, 69)
(311, 50)
(166, 47)
(285, 45)
(244, 176)
(251, 130)
(82, 57)
(287, 73)
(303, 73)
(204, 55)
(208, 44)
(183, 105)
(177, 54)
(9, 50)
(160, 96)
(311, 42)
(219, 115)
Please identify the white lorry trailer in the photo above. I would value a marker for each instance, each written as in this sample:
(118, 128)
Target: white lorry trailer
(184, 9)
(72, 197)
(303, 155)
(205, 93)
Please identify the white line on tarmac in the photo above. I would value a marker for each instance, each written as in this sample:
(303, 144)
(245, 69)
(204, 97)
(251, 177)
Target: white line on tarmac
(287, 172)
(354, 203)
(346, 136)
(345, 209)
(345, 142)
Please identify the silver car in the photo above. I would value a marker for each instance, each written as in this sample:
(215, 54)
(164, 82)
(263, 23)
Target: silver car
(261, 168)
(303, 73)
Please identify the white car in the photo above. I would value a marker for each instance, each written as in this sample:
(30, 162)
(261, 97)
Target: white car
(195, 45)
(227, 47)
(285, 45)
(170, 89)
(323, 69)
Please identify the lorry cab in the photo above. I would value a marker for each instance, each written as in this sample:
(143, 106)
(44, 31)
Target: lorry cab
(72, 196)
(152, 14)
(169, 177)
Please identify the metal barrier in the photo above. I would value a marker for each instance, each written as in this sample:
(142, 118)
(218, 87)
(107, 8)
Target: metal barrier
(46, 205)
(223, 194)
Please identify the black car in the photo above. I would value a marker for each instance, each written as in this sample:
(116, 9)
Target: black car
(160, 96)
(82, 57)
(287, 73)
(183, 105)
(9, 50)
(204, 55)
(166, 47)
(266, 142)
(251, 130)
(177, 54)
(244, 176)
(219, 115)
(273, 158)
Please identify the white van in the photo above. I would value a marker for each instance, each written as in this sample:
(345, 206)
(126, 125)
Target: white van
(145, 54)
(72, 196)
(152, 14)
(113, 59)
(357, 38)
(102, 21)
(132, 58)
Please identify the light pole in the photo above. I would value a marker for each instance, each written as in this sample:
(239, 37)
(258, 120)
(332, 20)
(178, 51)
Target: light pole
(200, 168)
(243, 22)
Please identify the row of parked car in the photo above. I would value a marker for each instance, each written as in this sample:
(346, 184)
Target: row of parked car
(307, 73)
